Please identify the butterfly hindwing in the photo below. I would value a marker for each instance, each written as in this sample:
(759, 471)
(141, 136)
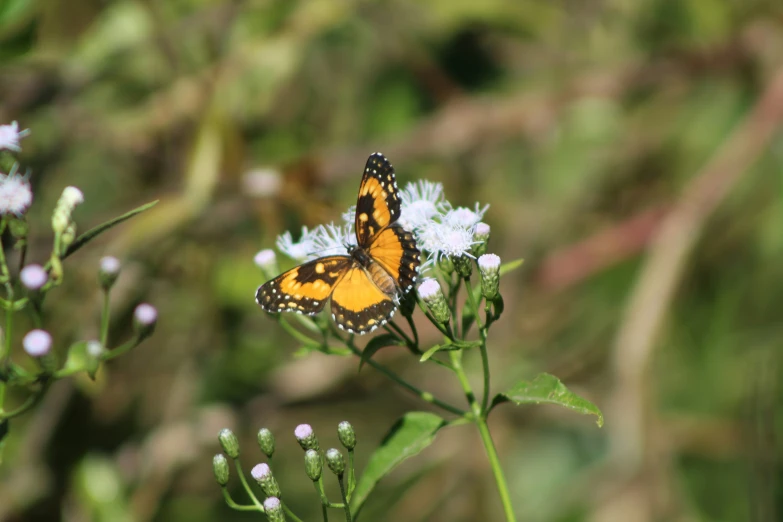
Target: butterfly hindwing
(378, 204)
(358, 306)
(305, 288)
(395, 250)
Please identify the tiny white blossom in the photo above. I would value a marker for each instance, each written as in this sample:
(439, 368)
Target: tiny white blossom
(272, 504)
(262, 182)
(349, 216)
(145, 314)
(260, 471)
(72, 197)
(421, 201)
(110, 265)
(37, 343)
(464, 217)
(429, 288)
(489, 263)
(441, 239)
(265, 258)
(299, 250)
(10, 136)
(94, 348)
(332, 239)
(15, 194)
(33, 277)
(481, 231)
(303, 431)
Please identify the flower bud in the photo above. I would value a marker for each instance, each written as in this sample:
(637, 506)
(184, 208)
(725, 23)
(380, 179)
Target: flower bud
(262, 473)
(430, 292)
(445, 265)
(335, 461)
(463, 265)
(481, 238)
(266, 260)
(346, 435)
(108, 272)
(229, 442)
(18, 225)
(67, 237)
(33, 277)
(314, 466)
(220, 468)
(38, 344)
(266, 441)
(489, 267)
(305, 436)
(145, 317)
(94, 351)
(274, 510)
(70, 198)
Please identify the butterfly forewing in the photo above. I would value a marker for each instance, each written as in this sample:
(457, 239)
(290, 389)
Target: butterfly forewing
(305, 288)
(395, 250)
(378, 204)
(358, 306)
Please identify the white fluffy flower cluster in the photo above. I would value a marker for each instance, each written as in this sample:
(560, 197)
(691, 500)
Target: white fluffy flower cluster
(440, 229)
(15, 193)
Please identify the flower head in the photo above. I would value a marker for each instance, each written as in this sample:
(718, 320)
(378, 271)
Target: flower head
(421, 201)
(445, 240)
(10, 136)
(296, 250)
(33, 277)
(464, 217)
(260, 471)
(15, 194)
(37, 343)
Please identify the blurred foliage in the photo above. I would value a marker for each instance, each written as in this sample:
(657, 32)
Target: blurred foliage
(581, 123)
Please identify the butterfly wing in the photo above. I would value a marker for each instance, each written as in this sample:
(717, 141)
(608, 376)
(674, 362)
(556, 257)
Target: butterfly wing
(305, 288)
(378, 204)
(395, 250)
(358, 305)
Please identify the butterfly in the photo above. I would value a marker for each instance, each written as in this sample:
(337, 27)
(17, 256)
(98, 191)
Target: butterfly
(366, 285)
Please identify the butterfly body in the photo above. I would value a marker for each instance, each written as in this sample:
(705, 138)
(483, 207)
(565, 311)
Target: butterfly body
(365, 285)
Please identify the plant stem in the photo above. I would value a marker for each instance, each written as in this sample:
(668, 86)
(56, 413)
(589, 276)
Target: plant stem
(105, 315)
(425, 396)
(345, 499)
(497, 470)
(291, 513)
(233, 505)
(5, 348)
(479, 419)
(483, 335)
(245, 485)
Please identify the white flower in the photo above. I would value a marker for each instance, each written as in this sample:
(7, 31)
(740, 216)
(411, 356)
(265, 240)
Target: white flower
(10, 136)
(299, 250)
(15, 194)
(349, 216)
(303, 431)
(37, 343)
(71, 197)
(110, 265)
(265, 259)
(332, 240)
(463, 216)
(441, 239)
(489, 263)
(262, 182)
(94, 348)
(33, 277)
(429, 288)
(145, 314)
(261, 471)
(421, 201)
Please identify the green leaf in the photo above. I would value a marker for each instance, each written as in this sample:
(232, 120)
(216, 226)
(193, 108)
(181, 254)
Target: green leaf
(546, 388)
(103, 227)
(76, 360)
(409, 436)
(375, 344)
(511, 265)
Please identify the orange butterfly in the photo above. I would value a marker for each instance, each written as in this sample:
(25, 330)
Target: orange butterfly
(365, 285)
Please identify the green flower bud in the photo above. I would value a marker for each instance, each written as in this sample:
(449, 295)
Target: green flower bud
(71, 197)
(335, 461)
(481, 238)
(489, 268)
(229, 442)
(220, 468)
(346, 435)
(67, 237)
(445, 264)
(430, 292)
(314, 465)
(262, 473)
(274, 510)
(305, 436)
(463, 265)
(108, 272)
(18, 227)
(266, 441)
(93, 351)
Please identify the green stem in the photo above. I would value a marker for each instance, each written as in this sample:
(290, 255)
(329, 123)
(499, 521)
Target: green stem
(31, 401)
(105, 314)
(233, 505)
(483, 335)
(5, 349)
(348, 517)
(245, 485)
(351, 475)
(124, 348)
(479, 419)
(497, 470)
(425, 396)
(299, 336)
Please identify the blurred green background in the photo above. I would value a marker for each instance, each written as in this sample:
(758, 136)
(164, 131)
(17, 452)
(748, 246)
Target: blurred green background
(629, 151)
